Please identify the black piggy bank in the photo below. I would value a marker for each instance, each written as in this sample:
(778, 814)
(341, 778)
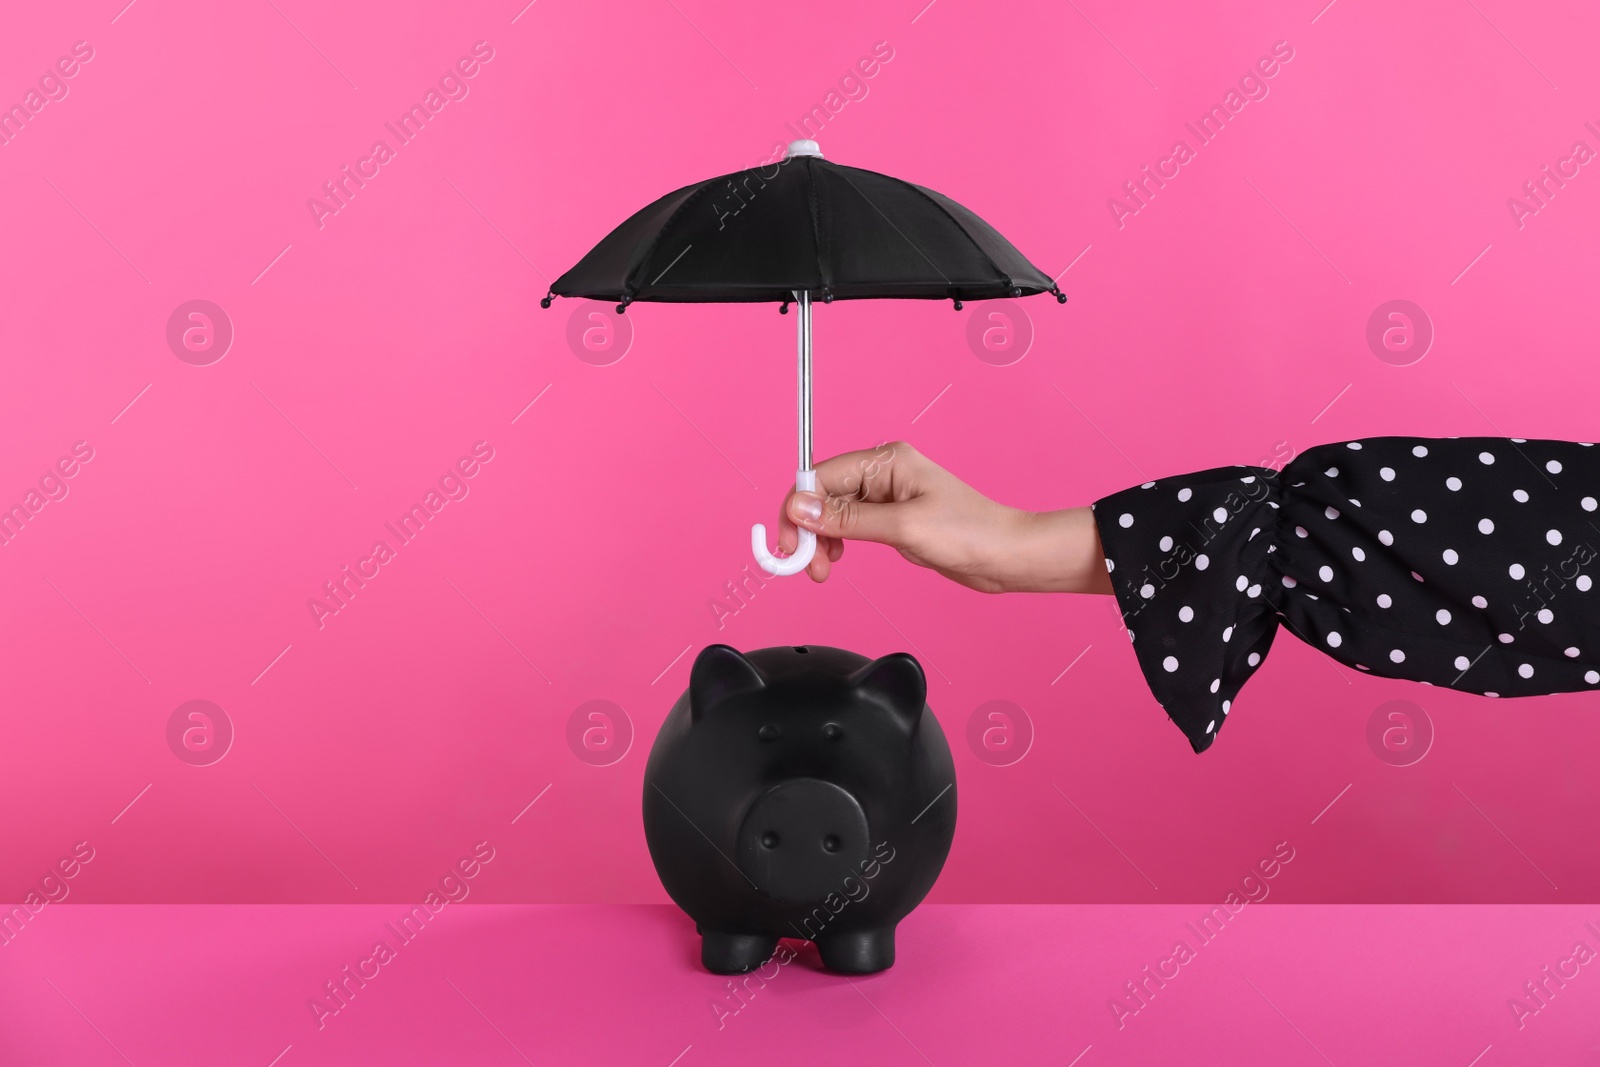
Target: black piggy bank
(803, 792)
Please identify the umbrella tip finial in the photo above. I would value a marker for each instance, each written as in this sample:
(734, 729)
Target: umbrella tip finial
(803, 148)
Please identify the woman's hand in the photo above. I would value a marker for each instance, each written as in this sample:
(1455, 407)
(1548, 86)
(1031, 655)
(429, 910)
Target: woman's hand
(896, 496)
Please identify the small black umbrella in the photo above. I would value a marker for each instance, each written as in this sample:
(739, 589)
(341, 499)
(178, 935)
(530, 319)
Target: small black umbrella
(795, 230)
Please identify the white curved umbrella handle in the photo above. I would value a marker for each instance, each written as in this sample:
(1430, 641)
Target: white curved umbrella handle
(805, 482)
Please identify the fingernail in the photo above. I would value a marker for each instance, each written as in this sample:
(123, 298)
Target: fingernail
(807, 507)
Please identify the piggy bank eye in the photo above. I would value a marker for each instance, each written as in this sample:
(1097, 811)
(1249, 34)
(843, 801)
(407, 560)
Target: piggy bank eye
(832, 731)
(768, 733)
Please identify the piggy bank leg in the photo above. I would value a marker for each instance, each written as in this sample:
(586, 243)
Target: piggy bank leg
(857, 951)
(724, 953)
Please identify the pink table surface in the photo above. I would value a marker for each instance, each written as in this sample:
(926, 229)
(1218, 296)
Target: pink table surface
(548, 985)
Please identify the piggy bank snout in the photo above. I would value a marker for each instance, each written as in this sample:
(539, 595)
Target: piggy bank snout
(801, 839)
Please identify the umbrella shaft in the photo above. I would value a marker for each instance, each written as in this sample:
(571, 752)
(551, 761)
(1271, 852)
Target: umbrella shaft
(803, 344)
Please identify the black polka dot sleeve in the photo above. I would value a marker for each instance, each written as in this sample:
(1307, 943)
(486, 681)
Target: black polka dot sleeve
(1467, 563)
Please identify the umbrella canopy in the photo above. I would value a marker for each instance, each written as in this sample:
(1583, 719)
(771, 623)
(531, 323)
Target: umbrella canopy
(802, 225)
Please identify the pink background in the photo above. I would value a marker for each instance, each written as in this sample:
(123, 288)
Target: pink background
(1223, 323)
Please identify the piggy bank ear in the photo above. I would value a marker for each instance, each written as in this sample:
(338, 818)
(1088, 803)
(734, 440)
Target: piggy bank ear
(896, 681)
(719, 672)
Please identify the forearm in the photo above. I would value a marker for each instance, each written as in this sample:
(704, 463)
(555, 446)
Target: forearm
(1056, 552)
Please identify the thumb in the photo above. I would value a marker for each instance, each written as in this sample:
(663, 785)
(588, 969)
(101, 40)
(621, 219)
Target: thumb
(845, 517)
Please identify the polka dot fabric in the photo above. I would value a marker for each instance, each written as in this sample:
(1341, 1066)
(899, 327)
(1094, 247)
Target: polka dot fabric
(1468, 563)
